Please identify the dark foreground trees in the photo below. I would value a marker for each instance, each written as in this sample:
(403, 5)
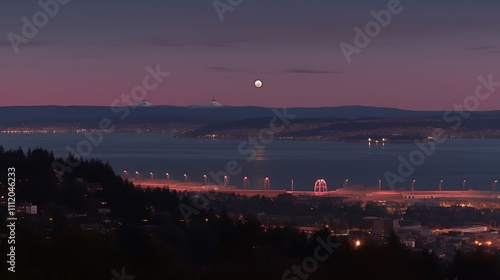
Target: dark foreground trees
(150, 240)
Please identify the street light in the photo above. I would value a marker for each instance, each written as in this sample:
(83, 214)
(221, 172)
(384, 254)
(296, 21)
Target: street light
(152, 175)
(345, 183)
(168, 176)
(267, 184)
(413, 185)
(292, 185)
(379, 185)
(494, 185)
(463, 185)
(225, 181)
(205, 179)
(440, 185)
(185, 177)
(126, 174)
(246, 184)
(137, 175)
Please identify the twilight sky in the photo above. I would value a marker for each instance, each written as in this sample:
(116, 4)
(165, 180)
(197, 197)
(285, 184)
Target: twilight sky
(93, 51)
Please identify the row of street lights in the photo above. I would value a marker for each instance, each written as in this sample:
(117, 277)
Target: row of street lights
(267, 183)
(440, 185)
(152, 176)
(412, 186)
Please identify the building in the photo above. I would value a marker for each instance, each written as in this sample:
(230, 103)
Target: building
(424, 202)
(383, 228)
(466, 229)
(103, 211)
(410, 243)
(27, 208)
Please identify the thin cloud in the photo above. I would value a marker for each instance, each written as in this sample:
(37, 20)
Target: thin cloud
(94, 56)
(34, 43)
(221, 43)
(309, 71)
(290, 70)
(215, 43)
(227, 69)
(480, 48)
(164, 43)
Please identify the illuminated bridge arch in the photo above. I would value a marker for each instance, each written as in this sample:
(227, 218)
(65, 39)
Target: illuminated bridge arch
(320, 186)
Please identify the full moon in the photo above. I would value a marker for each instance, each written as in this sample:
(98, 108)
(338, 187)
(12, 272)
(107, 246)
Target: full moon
(258, 83)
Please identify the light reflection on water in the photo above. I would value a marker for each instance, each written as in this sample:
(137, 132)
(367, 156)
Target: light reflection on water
(476, 160)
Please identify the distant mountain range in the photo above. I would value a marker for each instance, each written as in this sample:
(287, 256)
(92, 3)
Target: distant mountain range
(17, 114)
(345, 123)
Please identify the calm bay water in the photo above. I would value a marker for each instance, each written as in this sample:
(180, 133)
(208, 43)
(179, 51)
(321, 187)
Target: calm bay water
(476, 160)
